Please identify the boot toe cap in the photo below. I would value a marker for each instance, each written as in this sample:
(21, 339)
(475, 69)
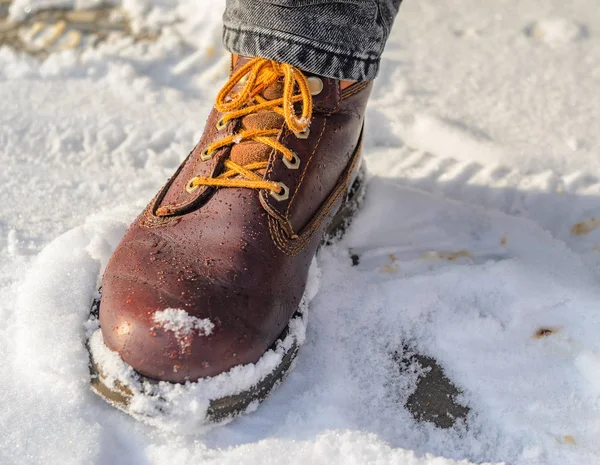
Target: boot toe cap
(173, 316)
(168, 340)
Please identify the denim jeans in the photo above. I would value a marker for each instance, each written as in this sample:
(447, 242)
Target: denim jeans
(342, 39)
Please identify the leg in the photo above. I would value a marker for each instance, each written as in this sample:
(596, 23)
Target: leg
(210, 280)
(341, 39)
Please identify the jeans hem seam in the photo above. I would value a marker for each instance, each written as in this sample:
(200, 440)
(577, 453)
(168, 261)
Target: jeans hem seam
(366, 61)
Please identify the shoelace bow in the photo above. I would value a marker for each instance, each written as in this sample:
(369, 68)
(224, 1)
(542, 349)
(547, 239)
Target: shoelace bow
(261, 73)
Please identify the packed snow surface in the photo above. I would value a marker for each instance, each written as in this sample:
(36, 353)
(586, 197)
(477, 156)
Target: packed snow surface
(478, 244)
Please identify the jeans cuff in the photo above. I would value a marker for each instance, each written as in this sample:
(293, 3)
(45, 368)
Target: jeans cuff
(299, 52)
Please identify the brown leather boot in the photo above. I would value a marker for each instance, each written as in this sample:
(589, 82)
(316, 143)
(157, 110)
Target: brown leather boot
(210, 275)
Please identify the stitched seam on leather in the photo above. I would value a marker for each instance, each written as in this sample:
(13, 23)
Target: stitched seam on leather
(296, 246)
(283, 243)
(343, 189)
(331, 94)
(188, 201)
(285, 132)
(282, 134)
(271, 210)
(147, 219)
(151, 221)
(350, 91)
(337, 96)
(339, 100)
(183, 190)
(287, 211)
(265, 200)
(273, 231)
(324, 213)
(354, 92)
(193, 170)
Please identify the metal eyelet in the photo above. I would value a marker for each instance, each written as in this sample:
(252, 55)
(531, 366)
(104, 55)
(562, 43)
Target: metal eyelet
(294, 164)
(315, 85)
(284, 195)
(222, 124)
(205, 156)
(303, 134)
(190, 187)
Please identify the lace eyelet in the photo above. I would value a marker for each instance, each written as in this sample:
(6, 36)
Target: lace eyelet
(190, 187)
(315, 85)
(205, 155)
(222, 124)
(284, 195)
(294, 164)
(303, 134)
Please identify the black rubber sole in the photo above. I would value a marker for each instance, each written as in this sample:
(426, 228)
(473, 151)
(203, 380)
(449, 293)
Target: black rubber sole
(228, 407)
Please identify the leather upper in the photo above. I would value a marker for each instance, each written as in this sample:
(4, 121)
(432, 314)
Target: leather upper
(235, 256)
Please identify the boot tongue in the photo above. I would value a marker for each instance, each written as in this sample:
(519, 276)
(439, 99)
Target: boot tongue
(249, 151)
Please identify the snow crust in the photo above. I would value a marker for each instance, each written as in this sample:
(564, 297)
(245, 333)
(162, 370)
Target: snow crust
(478, 244)
(181, 322)
(183, 325)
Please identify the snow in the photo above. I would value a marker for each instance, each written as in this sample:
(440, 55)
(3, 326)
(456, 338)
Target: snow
(478, 244)
(184, 408)
(181, 323)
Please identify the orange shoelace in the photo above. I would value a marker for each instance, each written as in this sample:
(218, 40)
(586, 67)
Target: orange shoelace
(260, 73)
